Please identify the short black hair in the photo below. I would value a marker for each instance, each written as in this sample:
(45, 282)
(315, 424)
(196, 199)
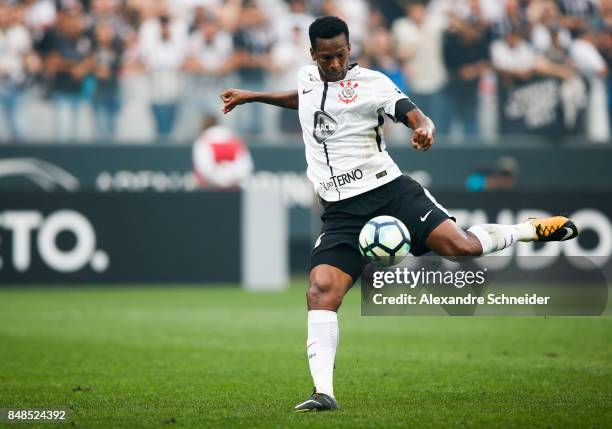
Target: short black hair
(327, 27)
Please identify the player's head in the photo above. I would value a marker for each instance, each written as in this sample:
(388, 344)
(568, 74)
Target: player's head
(330, 47)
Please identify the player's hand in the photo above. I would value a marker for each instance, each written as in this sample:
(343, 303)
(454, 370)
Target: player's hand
(423, 138)
(232, 98)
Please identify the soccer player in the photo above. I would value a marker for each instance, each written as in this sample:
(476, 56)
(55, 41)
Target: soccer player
(342, 109)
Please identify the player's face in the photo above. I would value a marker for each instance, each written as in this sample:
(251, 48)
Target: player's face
(332, 57)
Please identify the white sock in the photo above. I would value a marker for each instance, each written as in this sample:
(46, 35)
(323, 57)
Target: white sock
(494, 237)
(321, 348)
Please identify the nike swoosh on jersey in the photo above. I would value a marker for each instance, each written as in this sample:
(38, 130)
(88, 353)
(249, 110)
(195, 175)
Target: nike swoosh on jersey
(306, 92)
(423, 218)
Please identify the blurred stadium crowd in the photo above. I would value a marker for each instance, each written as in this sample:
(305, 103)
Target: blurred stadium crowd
(123, 70)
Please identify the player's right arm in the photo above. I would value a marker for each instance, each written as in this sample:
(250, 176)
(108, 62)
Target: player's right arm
(235, 97)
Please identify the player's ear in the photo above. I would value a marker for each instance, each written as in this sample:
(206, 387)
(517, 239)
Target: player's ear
(312, 54)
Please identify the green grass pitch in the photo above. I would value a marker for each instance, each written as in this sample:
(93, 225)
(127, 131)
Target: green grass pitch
(224, 357)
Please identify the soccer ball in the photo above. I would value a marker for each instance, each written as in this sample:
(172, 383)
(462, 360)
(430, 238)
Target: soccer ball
(384, 240)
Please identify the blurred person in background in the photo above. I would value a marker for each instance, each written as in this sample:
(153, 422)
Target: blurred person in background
(592, 66)
(66, 64)
(290, 50)
(573, 89)
(163, 51)
(376, 19)
(390, 10)
(502, 174)
(579, 15)
(297, 16)
(585, 18)
(606, 14)
(552, 42)
(513, 15)
(491, 11)
(557, 48)
(110, 12)
(253, 44)
(355, 13)
(229, 13)
(106, 60)
(379, 55)
(40, 17)
(132, 65)
(515, 59)
(220, 158)
(466, 55)
(186, 9)
(546, 29)
(209, 62)
(518, 64)
(17, 64)
(288, 56)
(587, 57)
(418, 37)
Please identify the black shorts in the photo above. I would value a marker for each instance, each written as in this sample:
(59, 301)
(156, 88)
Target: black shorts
(403, 198)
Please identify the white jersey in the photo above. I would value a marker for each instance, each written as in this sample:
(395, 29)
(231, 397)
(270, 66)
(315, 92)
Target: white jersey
(342, 125)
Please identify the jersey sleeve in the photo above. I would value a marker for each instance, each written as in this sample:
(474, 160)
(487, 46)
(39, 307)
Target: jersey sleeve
(386, 94)
(300, 79)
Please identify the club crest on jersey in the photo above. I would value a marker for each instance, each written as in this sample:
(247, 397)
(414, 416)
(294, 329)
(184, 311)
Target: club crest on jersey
(348, 93)
(324, 126)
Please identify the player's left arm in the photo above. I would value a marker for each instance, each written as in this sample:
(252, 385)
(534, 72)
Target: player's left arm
(400, 108)
(410, 115)
(424, 129)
